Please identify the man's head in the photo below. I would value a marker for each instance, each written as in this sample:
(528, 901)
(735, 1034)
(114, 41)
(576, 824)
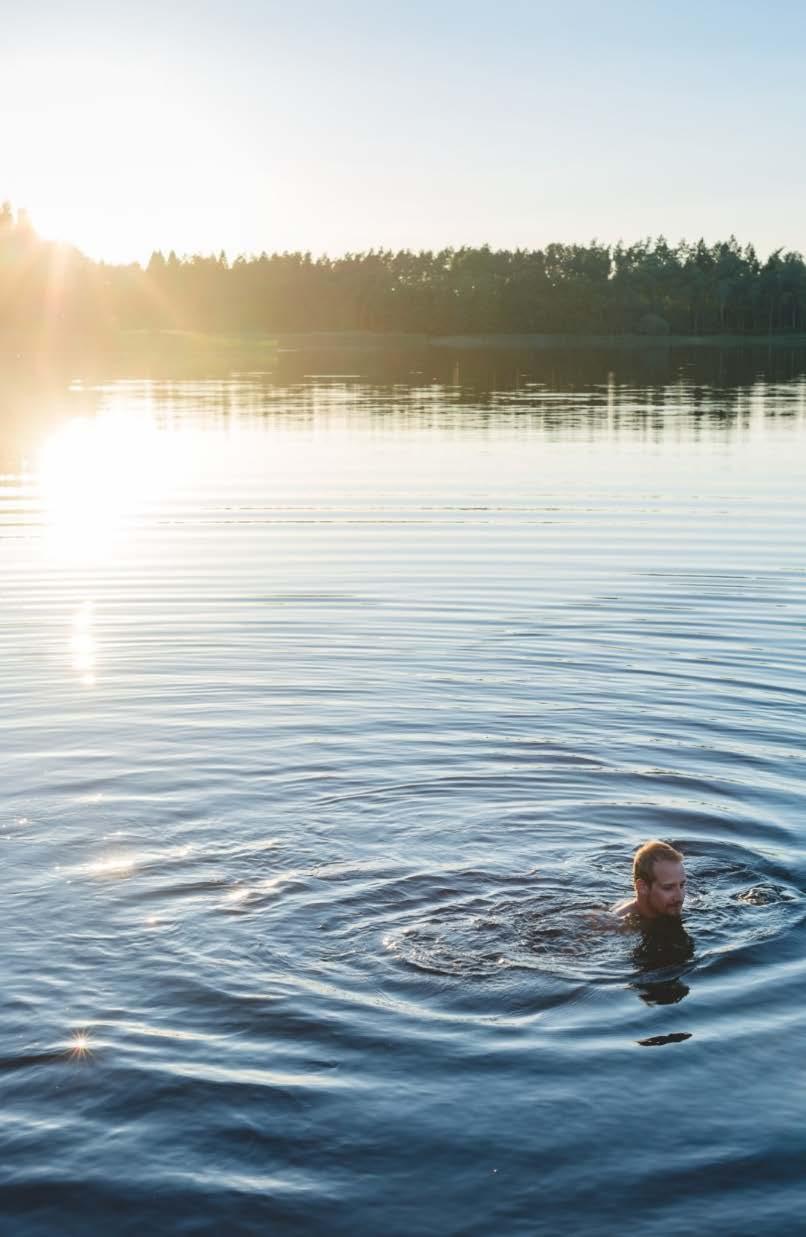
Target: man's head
(659, 878)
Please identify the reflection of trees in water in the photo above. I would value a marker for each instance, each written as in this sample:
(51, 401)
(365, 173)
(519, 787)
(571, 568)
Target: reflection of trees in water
(597, 392)
(610, 390)
(664, 947)
(706, 374)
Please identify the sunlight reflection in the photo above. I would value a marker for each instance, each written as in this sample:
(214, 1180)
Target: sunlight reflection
(96, 476)
(80, 1045)
(82, 644)
(113, 865)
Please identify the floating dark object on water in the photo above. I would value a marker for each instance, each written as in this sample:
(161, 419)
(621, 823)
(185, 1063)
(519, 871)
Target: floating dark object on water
(655, 1041)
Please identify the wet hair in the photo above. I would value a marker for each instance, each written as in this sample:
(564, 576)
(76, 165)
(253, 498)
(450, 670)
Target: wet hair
(645, 858)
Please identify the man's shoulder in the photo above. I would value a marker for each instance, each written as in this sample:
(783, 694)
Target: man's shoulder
(619, 918)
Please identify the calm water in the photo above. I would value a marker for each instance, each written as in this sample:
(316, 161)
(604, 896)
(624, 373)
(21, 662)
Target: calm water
(334, 702)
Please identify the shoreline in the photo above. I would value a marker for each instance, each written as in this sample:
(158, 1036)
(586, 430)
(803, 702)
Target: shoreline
(144, 341)
(178, 353)
(627, 342)
(347, 340)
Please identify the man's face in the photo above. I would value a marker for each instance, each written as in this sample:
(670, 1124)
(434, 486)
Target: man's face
(668, 890)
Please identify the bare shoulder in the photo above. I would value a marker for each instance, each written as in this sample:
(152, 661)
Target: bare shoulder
(626, 914)
(617, 919)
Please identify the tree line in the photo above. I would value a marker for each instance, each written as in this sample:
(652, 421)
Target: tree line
(650, 287)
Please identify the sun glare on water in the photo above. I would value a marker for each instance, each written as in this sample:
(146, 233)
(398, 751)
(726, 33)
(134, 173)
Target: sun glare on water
(79, 1046)
(98, 479)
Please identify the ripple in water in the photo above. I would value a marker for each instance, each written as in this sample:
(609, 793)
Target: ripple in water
(554, 929)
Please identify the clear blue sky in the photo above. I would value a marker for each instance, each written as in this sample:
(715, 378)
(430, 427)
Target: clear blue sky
(333, 126)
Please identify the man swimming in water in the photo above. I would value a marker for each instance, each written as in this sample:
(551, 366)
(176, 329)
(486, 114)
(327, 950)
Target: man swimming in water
(659, 879)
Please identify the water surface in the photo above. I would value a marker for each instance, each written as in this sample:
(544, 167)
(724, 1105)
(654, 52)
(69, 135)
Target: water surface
(335, 699)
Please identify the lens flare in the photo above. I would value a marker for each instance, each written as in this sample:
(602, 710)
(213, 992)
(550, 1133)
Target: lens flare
(80, 1045)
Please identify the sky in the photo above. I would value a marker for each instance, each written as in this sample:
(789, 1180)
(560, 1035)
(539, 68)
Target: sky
(198, 125)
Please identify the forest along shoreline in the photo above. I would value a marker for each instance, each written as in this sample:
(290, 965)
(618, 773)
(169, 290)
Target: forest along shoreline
(52, 293)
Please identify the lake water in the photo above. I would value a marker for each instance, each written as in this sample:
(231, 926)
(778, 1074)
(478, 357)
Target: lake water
(335, 699)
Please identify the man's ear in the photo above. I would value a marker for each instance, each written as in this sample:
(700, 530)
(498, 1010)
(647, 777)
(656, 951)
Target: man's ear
(641, 886)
